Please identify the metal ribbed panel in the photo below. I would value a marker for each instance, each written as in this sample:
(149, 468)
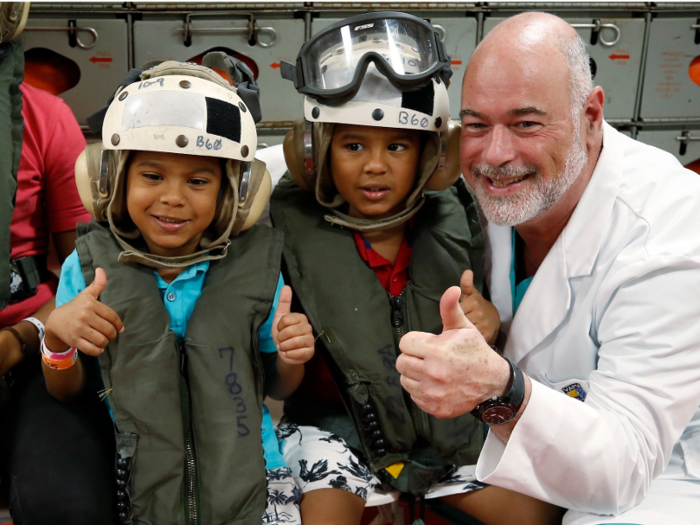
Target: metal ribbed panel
(687, 4)
(407, 5)
(684, 144)
(183, 37)
(549, 4)
(669, 91)
(217, 4)
(678, 120)
(82, 57)
(84, 5)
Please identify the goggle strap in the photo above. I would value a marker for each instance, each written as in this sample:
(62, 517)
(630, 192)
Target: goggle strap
(308, 148)
(289, 72)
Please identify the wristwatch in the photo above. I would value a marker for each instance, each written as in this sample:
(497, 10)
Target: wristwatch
(500, 410)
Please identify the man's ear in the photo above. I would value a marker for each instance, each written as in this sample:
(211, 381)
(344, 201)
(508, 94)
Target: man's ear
(592, 122)
(593, 111)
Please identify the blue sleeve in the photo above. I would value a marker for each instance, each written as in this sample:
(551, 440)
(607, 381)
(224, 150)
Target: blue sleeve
(71, 282)
(265, 343)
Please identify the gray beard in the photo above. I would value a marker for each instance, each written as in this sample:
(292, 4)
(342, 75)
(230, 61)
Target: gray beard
(534, 199)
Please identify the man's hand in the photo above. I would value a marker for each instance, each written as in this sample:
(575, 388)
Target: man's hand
(483, 315)
(449, 374)
(291, 332)
(84, 323)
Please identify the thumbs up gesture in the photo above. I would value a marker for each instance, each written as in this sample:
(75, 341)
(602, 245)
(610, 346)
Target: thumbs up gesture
(480, 312)
(84, 323)
(291, 332)
(449, 374)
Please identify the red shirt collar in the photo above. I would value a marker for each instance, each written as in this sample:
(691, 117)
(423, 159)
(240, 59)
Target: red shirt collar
(392, 276)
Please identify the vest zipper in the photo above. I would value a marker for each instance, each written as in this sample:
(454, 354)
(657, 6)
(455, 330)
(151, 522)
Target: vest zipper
(397, 319)
(420, 419)
(191, 510)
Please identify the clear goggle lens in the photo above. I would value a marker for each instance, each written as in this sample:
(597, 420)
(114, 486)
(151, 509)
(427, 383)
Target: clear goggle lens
(407, 48)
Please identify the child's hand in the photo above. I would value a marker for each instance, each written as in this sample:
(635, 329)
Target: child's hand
(478, 310)
(291, 332)
(84, 323)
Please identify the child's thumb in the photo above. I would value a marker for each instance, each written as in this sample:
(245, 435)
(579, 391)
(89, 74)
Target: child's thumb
(453, 317)
(98, 285)
(284, 306)
(466, 284)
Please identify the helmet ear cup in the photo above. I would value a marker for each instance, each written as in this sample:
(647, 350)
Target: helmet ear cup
(298, 154)
(259, 188)
(95, 173)
(448, 169)
(259, 201)
(13, 18)
(82, 181)
(88, 169)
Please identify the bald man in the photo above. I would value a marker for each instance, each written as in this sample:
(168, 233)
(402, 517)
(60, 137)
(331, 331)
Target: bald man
(595, 269)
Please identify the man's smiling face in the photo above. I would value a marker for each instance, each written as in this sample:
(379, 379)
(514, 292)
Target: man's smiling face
(520, 149)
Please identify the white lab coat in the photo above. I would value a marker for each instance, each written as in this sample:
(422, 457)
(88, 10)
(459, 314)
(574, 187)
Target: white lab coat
(615, 308)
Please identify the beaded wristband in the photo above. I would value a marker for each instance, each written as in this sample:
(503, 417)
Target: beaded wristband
(58, 360)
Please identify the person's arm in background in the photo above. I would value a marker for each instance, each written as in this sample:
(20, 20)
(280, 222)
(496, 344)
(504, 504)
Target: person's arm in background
(55, 152)
(10, 347)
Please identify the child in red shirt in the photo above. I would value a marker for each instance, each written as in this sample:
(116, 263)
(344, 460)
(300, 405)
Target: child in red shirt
(377, 225)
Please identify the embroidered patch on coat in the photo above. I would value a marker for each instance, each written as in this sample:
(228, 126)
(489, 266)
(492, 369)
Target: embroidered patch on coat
(575, 390)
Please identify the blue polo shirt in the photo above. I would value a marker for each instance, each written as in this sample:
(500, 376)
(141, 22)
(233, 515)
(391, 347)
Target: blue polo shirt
(179, 298)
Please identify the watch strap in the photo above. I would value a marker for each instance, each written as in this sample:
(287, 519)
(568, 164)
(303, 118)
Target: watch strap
(512, 399)
(516, 394)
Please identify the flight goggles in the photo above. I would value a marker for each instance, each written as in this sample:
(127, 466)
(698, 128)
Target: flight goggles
(405, 49)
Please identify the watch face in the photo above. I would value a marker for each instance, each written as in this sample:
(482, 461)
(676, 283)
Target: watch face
(497, 415)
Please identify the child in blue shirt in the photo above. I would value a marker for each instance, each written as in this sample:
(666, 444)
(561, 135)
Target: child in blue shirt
(175, 193)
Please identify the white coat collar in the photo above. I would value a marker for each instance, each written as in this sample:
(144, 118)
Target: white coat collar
(548, 298)
(584, 232)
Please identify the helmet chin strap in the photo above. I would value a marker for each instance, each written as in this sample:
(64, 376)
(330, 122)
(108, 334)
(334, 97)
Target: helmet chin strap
(375, 225)
(133, 255)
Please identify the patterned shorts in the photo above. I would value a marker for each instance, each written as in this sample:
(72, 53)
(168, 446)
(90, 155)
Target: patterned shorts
(321, 460)
(283, 497)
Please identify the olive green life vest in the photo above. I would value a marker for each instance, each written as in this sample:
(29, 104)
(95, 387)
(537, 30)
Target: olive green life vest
(360, 325)
(11, 126)
(188, 414)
